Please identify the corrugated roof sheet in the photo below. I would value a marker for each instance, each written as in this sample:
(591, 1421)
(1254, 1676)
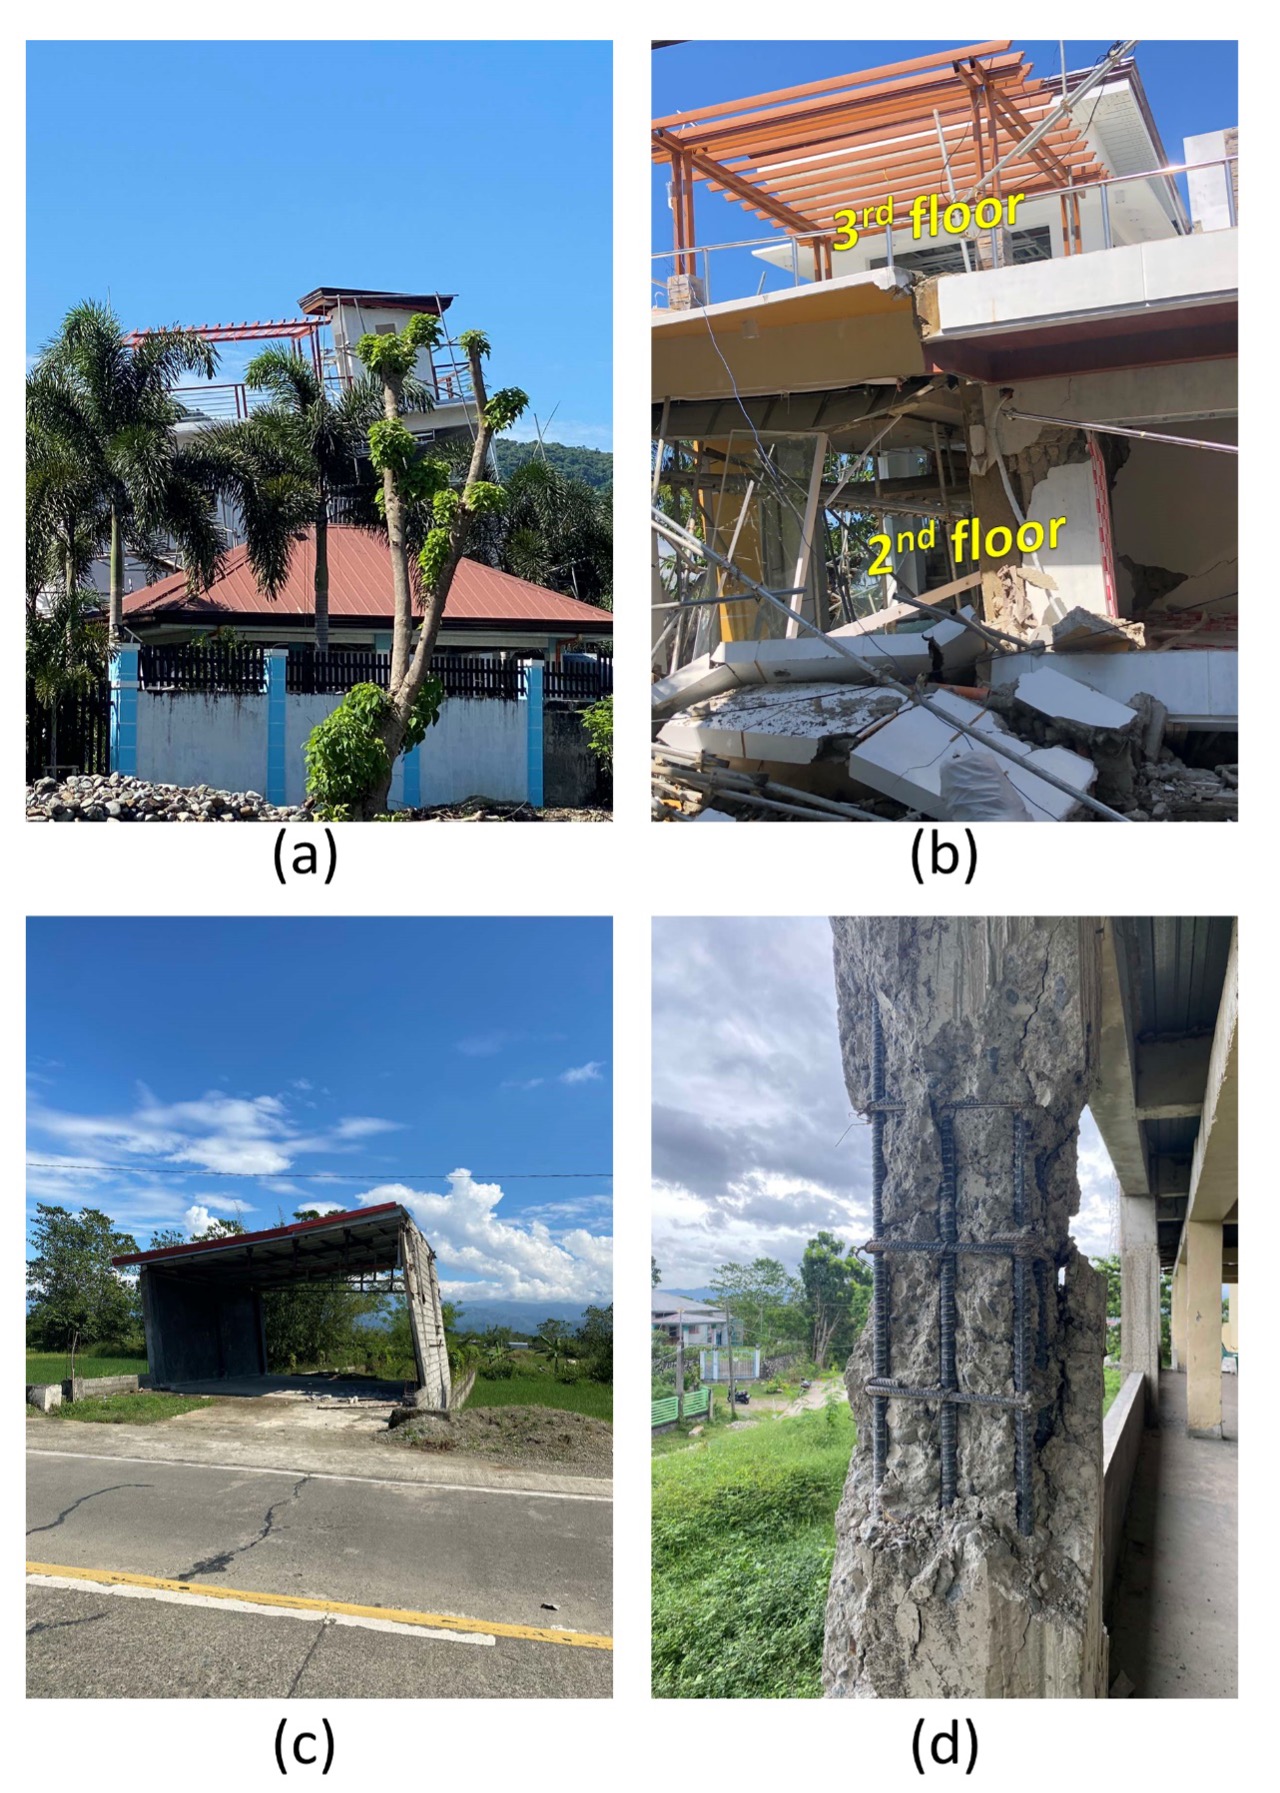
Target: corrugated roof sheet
(360, 586)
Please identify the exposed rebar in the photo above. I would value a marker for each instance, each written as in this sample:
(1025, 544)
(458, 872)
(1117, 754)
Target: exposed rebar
(1022, 1422)
(879, 1269)
(947, 1310)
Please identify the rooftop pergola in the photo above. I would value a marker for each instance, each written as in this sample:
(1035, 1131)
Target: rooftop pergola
(943, 123)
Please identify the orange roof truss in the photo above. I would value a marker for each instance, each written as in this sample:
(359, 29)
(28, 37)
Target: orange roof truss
(799, 155)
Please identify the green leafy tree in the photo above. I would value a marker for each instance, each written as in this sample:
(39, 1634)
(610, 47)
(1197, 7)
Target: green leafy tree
(837, 1293)
(1110, 1268)
(74, 1296)
(595, 1340)
(421, 508)
(592, 466)
(655, 1275)
(105, 469)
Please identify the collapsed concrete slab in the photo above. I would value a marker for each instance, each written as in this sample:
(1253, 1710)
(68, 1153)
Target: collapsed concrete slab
(794, 725)
(968, 1539)
(1199, 687)
(1064, 699)
(904, 760)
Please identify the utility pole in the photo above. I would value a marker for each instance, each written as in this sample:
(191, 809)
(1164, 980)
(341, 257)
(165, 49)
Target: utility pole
(728, 1314)
(679, 1370)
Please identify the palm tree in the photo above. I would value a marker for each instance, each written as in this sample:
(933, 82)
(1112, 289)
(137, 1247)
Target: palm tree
(323, 437)
(558, 532)
(66, 652)
(105, 407)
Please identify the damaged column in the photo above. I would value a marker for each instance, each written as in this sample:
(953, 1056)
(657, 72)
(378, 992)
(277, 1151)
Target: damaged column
(968, 1552)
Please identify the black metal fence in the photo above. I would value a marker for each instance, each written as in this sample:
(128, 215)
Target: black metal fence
(578, 682)
(191, 666)
(71, 735)
(216, 669)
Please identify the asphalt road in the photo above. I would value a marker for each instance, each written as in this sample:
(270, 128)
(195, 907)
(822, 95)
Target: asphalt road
(503, 1558)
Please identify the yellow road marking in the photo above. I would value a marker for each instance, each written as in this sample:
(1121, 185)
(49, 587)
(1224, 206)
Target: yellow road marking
(439, 1621)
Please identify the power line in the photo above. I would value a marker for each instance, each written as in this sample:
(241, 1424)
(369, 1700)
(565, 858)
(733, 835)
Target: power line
(327, 1176)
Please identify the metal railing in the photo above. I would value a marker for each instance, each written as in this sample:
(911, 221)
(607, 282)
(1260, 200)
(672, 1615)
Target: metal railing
(701, 255)
(228, 401)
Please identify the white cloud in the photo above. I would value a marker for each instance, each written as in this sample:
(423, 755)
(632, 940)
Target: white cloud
(480, 1250)
(251, 1135)
(197, 1219)
(588, 1073)
(525, 1083)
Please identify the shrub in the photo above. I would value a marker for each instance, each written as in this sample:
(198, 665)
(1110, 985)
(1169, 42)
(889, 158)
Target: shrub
(346, 755)
(598, 722)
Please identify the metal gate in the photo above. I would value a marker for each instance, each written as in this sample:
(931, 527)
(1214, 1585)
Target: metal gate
(73, 734)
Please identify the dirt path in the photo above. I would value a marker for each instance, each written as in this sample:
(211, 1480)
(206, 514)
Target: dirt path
(813, 1396)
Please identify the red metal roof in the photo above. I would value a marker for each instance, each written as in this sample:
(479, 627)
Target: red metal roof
(345, 1218)
(360, 588)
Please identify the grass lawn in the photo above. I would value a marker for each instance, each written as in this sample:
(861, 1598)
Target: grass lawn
(743, 1536)
(592, 1398)
(133, 1410)
(51, 1366)
(1111, 1380)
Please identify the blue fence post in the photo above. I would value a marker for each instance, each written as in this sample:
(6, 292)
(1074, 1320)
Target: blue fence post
(277, 663)
(533, 736)
(124, 711)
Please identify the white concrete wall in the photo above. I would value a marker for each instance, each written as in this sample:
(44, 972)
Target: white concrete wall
(1076, 562)
(194, 737)
(477, 749)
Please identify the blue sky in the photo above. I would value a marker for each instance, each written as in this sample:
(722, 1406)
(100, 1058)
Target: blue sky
(378, 1049)
(1192, 87)
(214, 182)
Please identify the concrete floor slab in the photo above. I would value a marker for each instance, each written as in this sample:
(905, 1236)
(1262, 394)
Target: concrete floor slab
(1173, 1621)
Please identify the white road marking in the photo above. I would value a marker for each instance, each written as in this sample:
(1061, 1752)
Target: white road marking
(127, 1592)
(319, 1475)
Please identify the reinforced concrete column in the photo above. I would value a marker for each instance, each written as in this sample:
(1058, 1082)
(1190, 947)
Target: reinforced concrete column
(968, 1539)
(533, 734)
(1178, 1317)
(277, 659)
(1204, 1328)
(1140, 1295)
(124, 711)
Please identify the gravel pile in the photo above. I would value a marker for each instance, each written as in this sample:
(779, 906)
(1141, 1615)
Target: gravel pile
(542, 1437)
(113, 797)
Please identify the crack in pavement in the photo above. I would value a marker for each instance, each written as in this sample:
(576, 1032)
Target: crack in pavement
(62, 1624)
(214, 1565)
(321, 1628)
(66, 1512)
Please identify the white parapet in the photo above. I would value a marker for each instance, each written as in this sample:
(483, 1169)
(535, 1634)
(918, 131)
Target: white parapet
(1199, 687)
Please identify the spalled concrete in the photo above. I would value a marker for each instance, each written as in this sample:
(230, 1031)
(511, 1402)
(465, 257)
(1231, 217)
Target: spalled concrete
(983, 1021)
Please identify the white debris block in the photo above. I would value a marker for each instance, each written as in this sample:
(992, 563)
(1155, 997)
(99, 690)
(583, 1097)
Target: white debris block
(805, 658)
(904, 760)
(1067, 700)
(784, 723)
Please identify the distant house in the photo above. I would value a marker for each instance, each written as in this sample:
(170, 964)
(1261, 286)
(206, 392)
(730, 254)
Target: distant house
(677, 1316)
(488, 612)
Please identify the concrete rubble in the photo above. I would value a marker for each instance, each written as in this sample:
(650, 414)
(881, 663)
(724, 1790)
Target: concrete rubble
(113, 797)
(1140, 731)
(988, 1025)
